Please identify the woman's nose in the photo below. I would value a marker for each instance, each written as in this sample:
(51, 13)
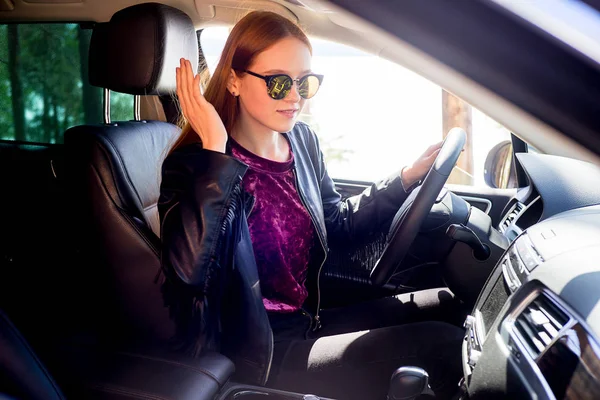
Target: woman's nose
(294, 95)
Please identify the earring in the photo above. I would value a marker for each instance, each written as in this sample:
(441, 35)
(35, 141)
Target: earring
(234, 94)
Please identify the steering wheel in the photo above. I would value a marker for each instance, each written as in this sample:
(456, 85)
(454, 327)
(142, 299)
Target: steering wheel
(409, 219)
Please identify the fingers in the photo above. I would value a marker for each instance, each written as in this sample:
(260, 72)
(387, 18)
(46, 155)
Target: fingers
(178, 82)
(192, 86)
(188, 90)
(185, 83)
(433, 148)
(198, 112)
(180, 93)
(431, 157)
(196, 90)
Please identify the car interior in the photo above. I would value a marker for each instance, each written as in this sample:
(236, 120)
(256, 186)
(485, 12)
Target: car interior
(82, 313)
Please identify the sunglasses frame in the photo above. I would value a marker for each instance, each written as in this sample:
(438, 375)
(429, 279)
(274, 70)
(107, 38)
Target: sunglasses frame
(268, 79)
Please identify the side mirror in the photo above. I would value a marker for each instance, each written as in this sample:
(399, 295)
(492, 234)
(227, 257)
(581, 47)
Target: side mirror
(499, 171)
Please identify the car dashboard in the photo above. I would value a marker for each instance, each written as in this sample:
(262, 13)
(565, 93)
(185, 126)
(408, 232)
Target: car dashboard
(534, 331)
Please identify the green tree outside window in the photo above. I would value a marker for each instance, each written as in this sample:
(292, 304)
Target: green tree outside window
(44, 87)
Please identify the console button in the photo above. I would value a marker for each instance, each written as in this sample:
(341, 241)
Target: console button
(473, 357)
(469, 322)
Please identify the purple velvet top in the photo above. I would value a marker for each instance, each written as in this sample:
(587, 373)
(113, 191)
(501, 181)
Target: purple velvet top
(281, 230)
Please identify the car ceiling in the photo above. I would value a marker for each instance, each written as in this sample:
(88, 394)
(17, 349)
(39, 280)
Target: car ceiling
(319, 20)
(329, 21)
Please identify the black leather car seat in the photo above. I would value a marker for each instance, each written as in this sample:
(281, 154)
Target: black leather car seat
(22, 375)
(113, 174)
(107, 375)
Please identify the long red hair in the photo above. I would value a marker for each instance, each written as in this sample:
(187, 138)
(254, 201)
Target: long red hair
(253, 34)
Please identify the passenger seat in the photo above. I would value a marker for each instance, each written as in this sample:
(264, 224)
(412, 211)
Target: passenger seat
(113, 175)
(22, 375)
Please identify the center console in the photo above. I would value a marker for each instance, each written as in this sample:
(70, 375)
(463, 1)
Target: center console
(506, 278)
(523, 341)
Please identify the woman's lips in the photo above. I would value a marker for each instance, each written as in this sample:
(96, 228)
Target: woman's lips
(288, 113)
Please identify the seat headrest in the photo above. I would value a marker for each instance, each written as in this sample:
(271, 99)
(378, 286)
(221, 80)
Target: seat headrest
(137, 51)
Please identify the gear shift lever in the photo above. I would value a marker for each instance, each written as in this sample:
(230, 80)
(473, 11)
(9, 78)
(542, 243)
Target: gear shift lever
(408, 383)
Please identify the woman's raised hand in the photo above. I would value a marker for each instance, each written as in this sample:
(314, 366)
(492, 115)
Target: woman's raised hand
(200, 114)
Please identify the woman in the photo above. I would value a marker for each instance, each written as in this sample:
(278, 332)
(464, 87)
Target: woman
(245, 174)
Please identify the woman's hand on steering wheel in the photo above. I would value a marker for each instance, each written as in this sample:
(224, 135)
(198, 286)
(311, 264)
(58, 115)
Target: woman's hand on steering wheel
(421, 166)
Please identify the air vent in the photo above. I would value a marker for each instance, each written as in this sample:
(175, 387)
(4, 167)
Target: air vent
(539, 324)
(511, 216)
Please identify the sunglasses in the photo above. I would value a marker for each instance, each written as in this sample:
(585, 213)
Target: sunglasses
(280, 85)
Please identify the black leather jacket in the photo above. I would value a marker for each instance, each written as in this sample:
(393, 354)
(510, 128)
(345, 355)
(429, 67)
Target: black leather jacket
(207, 256)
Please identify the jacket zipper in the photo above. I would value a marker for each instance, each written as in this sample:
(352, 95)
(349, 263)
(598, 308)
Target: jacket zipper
(316, 318)
(251, 207)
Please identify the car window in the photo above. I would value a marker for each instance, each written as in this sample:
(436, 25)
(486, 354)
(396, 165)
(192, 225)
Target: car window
(43, 83)
(373, 116)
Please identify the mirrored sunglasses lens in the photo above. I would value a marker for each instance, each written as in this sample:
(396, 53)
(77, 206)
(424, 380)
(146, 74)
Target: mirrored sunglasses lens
(280, 86)
(308, 87)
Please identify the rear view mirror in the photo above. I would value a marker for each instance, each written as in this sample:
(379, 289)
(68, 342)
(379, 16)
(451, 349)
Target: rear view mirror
(499, 171)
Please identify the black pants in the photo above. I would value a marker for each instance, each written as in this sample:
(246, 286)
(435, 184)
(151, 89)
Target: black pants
(360, 346)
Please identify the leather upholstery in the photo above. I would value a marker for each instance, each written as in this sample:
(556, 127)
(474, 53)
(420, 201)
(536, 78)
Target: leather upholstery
(126, 154)
(137, 51)
(22, 375)
(151, 375)
(113, 174)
